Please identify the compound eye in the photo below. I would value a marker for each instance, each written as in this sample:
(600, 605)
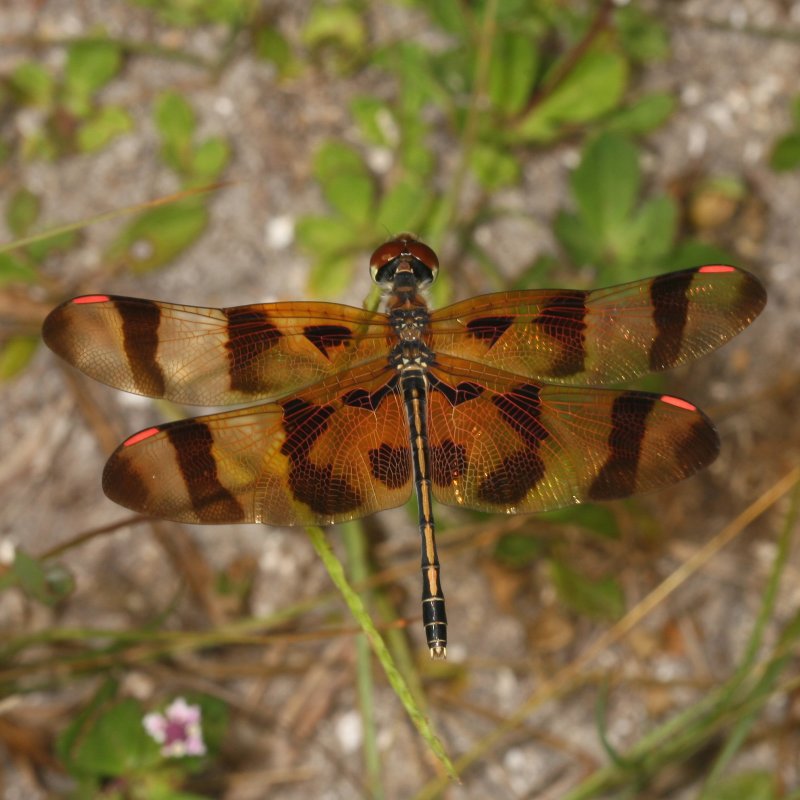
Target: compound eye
(425, 254)
(387, 252)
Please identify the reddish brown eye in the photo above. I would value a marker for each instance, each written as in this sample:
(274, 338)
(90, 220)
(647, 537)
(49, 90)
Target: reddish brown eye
(386, 253)
(423, 253)
(404, 248)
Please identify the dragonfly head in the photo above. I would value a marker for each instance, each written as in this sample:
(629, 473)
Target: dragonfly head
(404, 262)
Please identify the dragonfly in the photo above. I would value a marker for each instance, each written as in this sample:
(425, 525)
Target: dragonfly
(498, 403)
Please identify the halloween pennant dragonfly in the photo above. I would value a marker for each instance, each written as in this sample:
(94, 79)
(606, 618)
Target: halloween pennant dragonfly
(483, 404)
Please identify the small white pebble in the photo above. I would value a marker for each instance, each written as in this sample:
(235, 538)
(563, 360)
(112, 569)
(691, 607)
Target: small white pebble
(570, 158)
(738, 16)
(142, 249)
(279, 232)
(224, 106)
(691, 94)
(738, 101)
(753, 151)
(380, 159)
(8, 551)
(720, 115)
(697, 140)
(350, 731)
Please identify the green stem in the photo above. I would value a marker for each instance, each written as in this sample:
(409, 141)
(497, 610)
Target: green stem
(356, 549)
(361, 616)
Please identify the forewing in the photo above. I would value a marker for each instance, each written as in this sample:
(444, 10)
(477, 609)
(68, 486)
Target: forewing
(602, 336)
(503, 444)
(332, 453)
(212, 356)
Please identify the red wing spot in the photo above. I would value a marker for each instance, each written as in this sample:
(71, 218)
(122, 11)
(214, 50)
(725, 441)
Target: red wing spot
(138, 437)
(717, 268)
(676, 401)
(91, 298)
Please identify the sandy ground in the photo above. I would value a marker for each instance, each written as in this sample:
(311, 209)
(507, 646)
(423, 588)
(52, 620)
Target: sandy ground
(734, 66)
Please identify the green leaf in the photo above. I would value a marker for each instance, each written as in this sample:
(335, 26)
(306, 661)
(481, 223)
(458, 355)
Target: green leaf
(606, 185)
(581, 243)
(270, 45)
(91, 65)
(512, 71)
(47, 583)
(175, 121)
(449, 15)
(592, 88)
(100, 128)
(335, 158)
(14, 269)
(80, 720)
(40, 144)
(15, 354)
(345, 181)
(415, 68)
(29, 574)
(190, 13)
(22, 212)
(786, 152)
(643, 37)
(215, 719)
(494, 167)
(517, 550)
(158, 235)
(331, 275)
(694, 253)
(597, 519)
(751, 785)
(33, 84)
(115, 743)
(415, 155)
(642, 116)
(325, 236)
(209, 159)
(46, 244)
(337, 26)
(403, 207)
(653, 231)
(599, 599)
(375, 121)
(353, 196)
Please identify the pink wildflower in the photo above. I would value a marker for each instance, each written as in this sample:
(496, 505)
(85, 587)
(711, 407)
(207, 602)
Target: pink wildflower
(177, 730)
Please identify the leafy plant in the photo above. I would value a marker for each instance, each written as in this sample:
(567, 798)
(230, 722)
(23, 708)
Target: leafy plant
(359, 209)
(160, 234)
(497, 88)
(786, 151)
(612, 228)
(190, 13)
(73, 119)
(22, 267)
(111, 741)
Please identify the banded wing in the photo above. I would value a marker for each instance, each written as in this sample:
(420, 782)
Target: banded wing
(502, 443)
(212, 356)
(602, 336)
(328, 454)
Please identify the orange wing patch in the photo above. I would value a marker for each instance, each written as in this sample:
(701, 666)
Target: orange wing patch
(211, 356)
(332, 453)
(604, 336)
(504, 444)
